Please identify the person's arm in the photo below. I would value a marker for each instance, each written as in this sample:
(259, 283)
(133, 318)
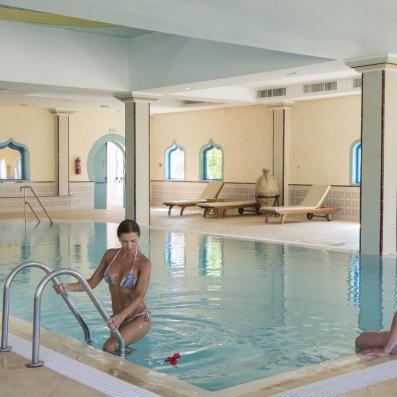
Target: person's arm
(93, 281)
(390, 344)
(140, 292)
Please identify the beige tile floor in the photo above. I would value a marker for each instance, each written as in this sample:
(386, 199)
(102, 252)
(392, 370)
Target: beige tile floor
(339, 234)
(16, 381)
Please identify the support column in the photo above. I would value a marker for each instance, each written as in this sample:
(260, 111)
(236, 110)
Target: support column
(137, 158)
(281, 129)
(62, 154)
(378, 198)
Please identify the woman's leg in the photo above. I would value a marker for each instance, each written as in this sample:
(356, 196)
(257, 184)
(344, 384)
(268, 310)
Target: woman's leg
(372, 339)
(131, 331)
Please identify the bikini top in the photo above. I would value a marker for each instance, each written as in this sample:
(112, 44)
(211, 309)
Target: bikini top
(129, 281)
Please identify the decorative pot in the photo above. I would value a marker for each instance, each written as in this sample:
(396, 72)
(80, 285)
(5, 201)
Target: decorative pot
(266, 185)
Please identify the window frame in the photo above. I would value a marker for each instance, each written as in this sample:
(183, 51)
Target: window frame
(23, 150)
(203, 164)
(355, 163)
(167, 161)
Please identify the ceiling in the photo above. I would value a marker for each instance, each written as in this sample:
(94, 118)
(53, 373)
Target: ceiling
(334, 30)
(68, 23)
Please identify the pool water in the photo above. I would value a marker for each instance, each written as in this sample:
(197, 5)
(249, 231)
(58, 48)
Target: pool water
(236, 310)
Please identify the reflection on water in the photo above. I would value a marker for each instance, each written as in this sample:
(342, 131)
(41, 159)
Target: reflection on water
(211, 256)
(175, 253)
(236, 310)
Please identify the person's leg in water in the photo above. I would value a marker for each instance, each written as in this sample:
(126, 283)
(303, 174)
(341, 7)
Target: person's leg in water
(131, 331)
(380, 343)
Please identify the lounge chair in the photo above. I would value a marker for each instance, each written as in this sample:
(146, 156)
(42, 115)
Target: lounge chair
(220, 208)
(211, 191)
(311, 206)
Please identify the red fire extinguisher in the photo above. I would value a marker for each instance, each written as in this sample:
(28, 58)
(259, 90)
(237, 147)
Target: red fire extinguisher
(77, 165)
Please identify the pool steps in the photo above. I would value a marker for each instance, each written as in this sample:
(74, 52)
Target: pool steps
(50, 276)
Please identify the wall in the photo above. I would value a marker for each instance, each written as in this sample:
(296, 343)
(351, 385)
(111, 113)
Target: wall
(85, 128)
(34, 128)
(243, 132)
(322, 132)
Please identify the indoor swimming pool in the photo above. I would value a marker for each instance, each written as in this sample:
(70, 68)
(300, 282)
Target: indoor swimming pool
(236, 310)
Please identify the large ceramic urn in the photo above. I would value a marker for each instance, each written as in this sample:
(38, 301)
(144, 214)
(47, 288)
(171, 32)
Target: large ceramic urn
(266, 188)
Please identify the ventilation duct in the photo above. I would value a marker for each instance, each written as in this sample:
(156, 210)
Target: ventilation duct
(357, 83)
(319, 87)
(271, 92)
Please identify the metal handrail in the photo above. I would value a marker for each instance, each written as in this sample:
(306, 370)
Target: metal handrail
(38, 200)
(6, 304)
(36, 362)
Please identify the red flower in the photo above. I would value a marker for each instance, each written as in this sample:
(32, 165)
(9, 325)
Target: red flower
(173, 360)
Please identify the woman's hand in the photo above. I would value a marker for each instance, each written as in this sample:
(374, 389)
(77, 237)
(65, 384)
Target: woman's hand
(116, 320)
(60, 288)
(374, 351)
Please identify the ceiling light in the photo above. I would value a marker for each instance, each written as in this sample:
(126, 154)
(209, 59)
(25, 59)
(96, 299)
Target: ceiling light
(104, 106)
(22, 104)
(290, 73)
(187, 88)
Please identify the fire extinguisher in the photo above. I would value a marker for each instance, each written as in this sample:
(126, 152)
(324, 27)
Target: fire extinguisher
(77, 165)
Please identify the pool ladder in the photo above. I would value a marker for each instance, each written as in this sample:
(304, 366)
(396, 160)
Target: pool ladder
(51, 276)
(27, 204)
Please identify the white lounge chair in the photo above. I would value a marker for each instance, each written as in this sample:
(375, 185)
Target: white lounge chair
(312, 205)
(211, 191)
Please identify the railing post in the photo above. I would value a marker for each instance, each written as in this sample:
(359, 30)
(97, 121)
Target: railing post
(24, 205)
(6, 304)
(36, 362)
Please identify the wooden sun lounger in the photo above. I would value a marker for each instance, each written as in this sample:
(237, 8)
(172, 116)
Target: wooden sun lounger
(220, 208)
(210, 192)
(182, 204)
(311, 206)
(310, 212)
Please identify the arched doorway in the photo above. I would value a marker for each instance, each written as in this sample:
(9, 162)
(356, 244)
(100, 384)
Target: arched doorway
(106, 167)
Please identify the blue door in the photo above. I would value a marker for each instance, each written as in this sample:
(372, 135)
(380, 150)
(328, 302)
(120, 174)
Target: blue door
(100, 189)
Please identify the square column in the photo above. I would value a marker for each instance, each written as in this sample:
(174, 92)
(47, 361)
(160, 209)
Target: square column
(137, 159)
(378, 199)
(281, 131)
(62, 151)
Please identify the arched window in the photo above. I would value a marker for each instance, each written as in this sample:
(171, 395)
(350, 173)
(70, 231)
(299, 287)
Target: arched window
(211, 162)
(175, 162)
(13, 161)
(355, 160)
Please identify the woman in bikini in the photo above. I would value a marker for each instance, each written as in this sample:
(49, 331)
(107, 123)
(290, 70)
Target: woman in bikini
(127, 271)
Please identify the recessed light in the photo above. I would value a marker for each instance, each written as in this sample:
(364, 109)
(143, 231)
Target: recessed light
(23, 104)
(104, 106)
(187, 88)
(291, 73)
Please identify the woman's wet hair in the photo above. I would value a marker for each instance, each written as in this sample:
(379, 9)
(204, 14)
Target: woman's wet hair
(128, 226)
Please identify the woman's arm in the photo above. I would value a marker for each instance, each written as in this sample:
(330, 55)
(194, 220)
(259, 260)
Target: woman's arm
(140, 292)
(93, 281)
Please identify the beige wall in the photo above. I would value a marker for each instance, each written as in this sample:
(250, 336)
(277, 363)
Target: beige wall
(34, 128)
(245, 133)
(85, 128)
(322, 132)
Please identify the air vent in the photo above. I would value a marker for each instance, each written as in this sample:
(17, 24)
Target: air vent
(187, 102)
(319, 87)
(272, 92)
(357, 83)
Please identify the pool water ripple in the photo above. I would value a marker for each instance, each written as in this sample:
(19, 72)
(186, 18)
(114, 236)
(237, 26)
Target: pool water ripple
(236, 310)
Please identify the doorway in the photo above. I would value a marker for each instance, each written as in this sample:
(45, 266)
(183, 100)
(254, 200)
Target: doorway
(106, 167)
